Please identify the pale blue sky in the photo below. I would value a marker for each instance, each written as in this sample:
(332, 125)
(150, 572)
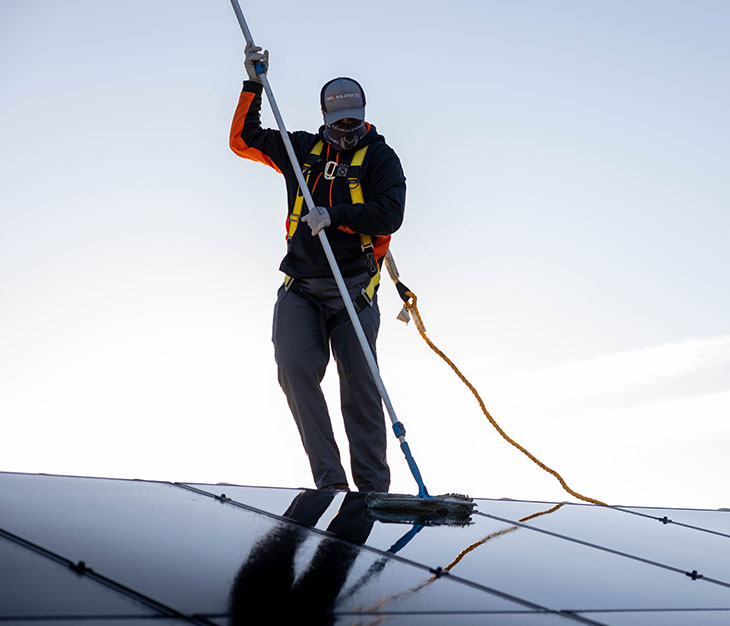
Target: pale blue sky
(566, 232)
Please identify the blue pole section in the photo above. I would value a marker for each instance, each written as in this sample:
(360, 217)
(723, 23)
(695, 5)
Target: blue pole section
(422, 491)
(400, 433)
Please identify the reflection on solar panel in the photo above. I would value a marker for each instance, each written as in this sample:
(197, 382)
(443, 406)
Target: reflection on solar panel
(120, 552)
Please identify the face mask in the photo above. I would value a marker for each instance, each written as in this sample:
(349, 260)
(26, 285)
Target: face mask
(344, 136)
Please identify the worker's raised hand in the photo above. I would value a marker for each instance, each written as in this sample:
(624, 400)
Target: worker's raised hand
(253, 56)
(317, 219)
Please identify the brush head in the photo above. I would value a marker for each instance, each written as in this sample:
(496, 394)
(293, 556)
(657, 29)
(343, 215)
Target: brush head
(450, 509)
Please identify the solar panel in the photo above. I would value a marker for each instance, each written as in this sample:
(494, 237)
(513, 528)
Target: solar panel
(139, 552)
(34, 584)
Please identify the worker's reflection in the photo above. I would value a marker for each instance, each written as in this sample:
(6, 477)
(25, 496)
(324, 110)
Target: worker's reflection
(267, 588)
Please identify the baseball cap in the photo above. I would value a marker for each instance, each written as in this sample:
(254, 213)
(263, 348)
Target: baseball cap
(340, 98)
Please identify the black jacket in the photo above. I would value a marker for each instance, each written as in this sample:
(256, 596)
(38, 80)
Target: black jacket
(381, 177)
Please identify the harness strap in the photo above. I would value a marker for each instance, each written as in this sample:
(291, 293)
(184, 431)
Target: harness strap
(353, 181)
(296, 213)
(362, 301)
(351, 172)
(366, 241)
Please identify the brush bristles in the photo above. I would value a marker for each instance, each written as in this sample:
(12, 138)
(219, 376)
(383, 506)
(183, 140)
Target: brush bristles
(450, 509)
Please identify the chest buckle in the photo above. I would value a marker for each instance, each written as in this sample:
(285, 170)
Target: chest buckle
(333, 170)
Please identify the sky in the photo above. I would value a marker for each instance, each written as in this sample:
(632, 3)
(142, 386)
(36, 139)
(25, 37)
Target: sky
(566, 234)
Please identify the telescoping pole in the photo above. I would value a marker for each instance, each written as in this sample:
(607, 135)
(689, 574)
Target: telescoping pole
(398, 427)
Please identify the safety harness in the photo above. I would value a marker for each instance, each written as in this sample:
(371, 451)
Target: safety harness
(351, 172)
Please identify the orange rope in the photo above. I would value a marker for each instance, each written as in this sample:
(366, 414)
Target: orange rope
(475, 545)
(527, 518)
(411, 306)
(504, 531)
(381, 604)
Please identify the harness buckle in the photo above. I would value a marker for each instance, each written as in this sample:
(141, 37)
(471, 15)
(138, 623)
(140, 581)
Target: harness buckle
(330, 169)
(366, 297)
(369, 253)
(333, 169)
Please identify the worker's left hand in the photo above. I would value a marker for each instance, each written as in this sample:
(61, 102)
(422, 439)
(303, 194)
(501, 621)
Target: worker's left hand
(317, 219)
(253, 56)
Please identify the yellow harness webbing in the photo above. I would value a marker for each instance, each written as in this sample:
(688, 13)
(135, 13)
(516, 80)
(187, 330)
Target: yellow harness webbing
(356, 196)
(296, 213)
(366, 241)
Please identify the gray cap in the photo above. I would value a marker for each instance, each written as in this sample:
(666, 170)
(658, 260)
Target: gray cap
(340, 98)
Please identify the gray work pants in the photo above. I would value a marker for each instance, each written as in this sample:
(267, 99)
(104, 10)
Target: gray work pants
(302, 349)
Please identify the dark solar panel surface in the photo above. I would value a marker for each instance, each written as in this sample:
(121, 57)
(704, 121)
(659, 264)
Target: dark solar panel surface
(89, 550)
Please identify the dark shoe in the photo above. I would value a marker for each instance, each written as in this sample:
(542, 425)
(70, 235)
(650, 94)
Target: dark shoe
(337, 487)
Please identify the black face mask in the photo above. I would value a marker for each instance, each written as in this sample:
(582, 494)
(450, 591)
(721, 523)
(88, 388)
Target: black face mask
(345, 136)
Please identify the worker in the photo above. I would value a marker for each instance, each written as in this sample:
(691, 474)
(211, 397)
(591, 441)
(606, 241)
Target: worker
(359, 189)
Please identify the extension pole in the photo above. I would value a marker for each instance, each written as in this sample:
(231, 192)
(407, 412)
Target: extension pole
(398, 427)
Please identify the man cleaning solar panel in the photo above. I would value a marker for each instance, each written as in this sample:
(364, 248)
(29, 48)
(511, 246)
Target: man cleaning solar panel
(360, 194)
(345, 134)
(359, 188)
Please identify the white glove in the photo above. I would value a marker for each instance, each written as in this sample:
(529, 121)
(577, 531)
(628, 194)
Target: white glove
(317, 219)
(253, 56)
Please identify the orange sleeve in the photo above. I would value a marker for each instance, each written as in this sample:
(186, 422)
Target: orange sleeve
(238, 145)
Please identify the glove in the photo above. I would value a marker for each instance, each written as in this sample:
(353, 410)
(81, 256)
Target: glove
(253, 56)
(317, 219)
